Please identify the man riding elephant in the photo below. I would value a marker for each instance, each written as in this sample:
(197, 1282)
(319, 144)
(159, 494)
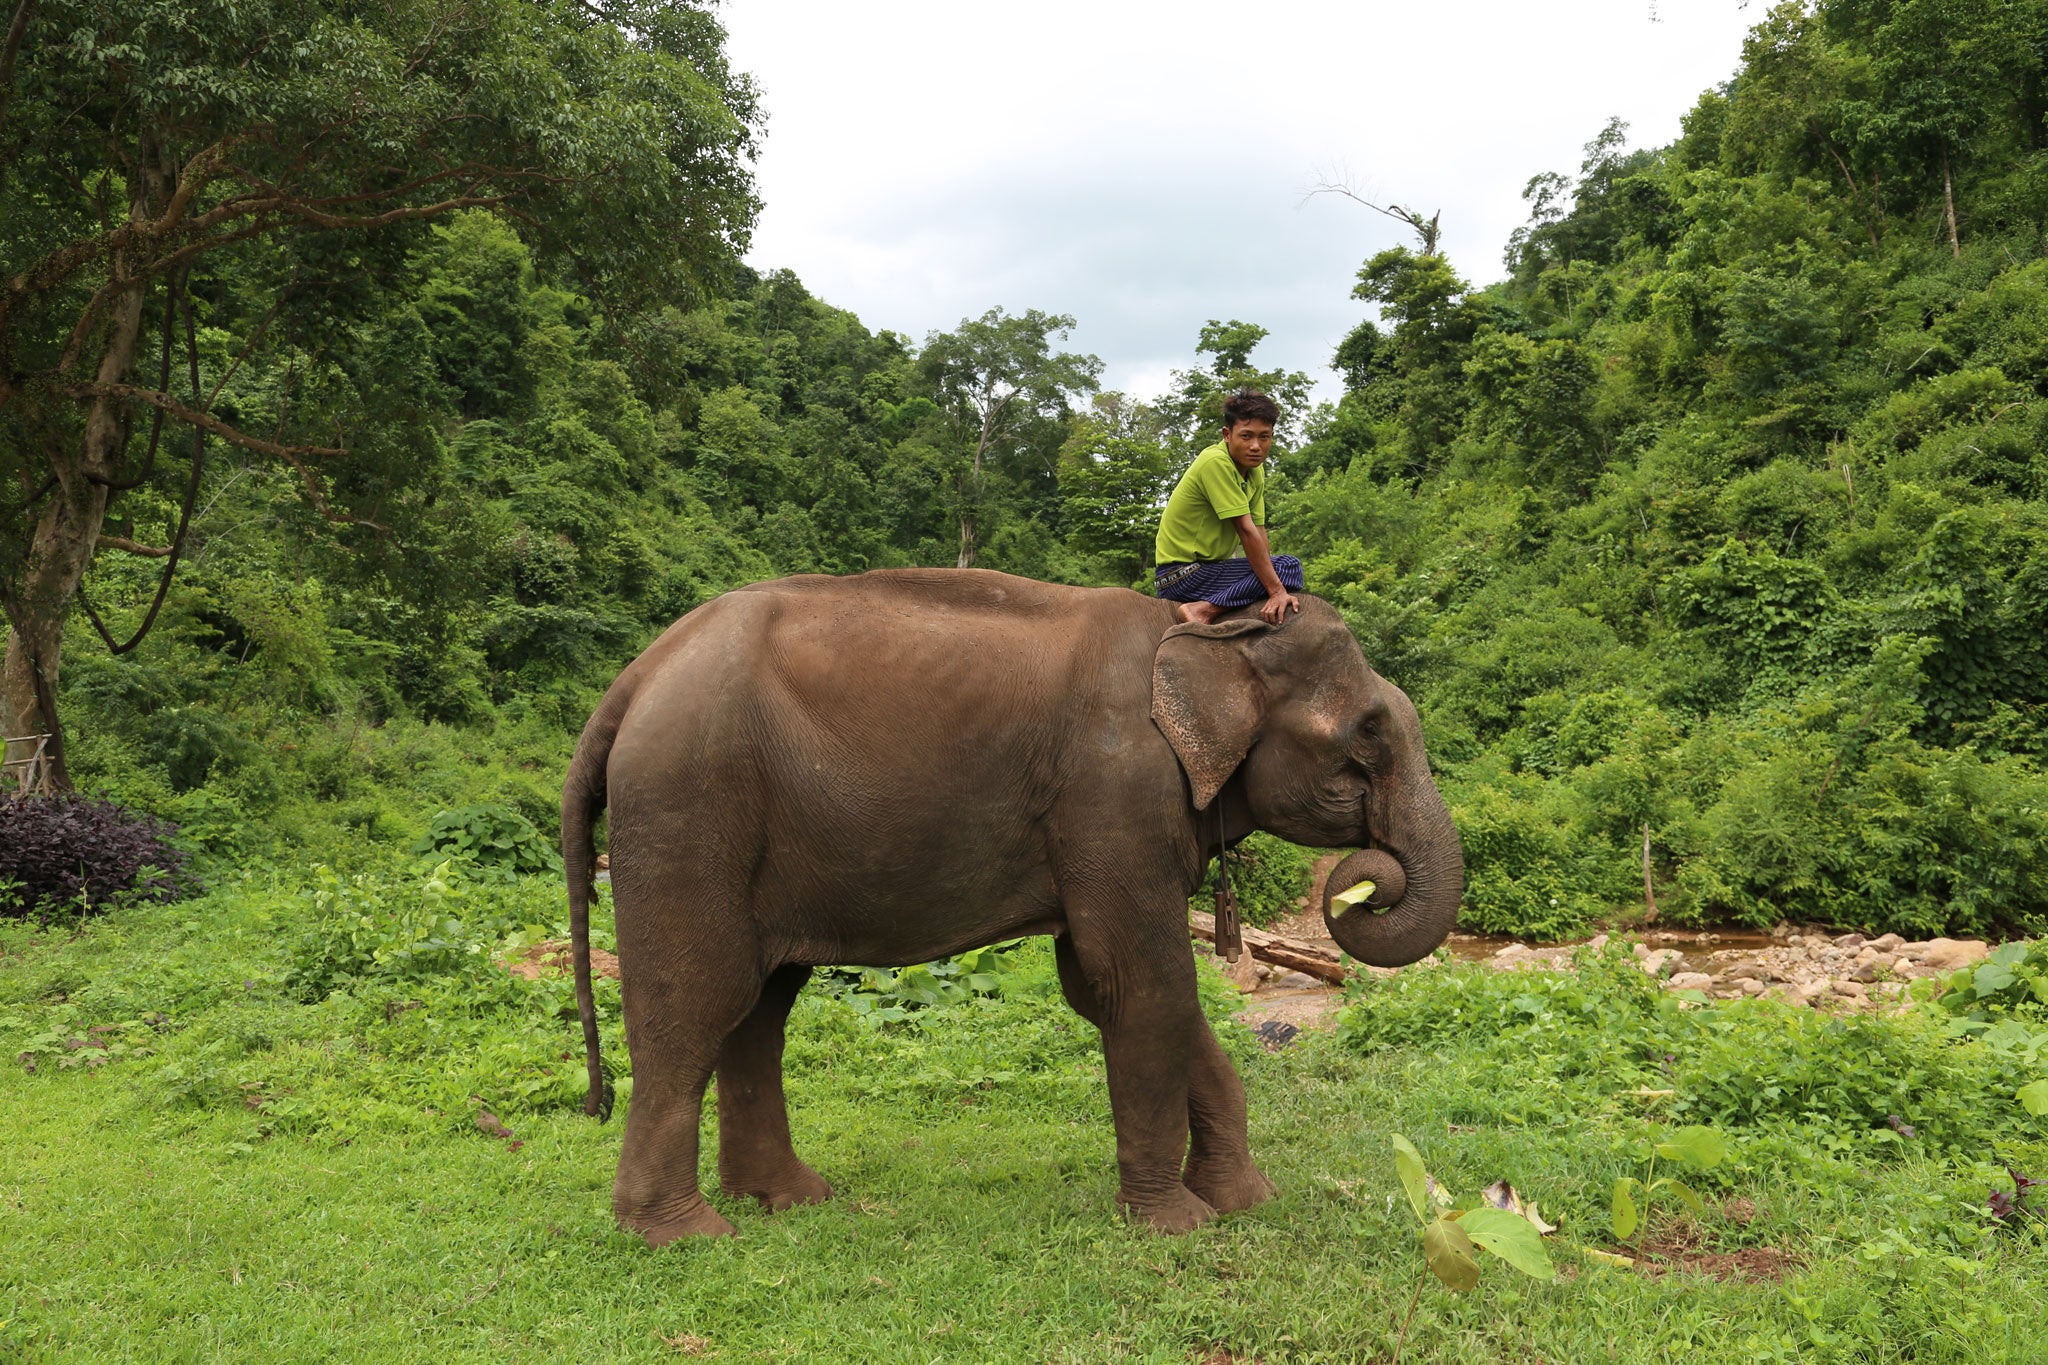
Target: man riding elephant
(1216, 510)
(900, 766)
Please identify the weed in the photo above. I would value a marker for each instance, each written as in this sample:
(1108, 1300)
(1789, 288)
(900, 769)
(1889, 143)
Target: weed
(1700, 1148)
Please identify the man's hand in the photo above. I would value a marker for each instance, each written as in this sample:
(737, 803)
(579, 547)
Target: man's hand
(1278, 605)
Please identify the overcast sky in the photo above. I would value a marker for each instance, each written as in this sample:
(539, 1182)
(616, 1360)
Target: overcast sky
(1142, 166)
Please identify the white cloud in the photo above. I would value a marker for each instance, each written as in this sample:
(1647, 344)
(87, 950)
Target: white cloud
(1142, 167)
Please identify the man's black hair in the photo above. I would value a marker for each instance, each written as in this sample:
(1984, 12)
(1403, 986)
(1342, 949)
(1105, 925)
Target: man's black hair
(1249, 405)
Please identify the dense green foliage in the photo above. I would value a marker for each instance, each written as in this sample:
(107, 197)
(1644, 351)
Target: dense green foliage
(1717, 525)
(277, 1091)
(1721, 520)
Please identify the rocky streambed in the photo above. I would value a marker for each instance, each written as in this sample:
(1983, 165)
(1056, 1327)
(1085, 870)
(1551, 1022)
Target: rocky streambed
(1797, 967)
(1801, 966)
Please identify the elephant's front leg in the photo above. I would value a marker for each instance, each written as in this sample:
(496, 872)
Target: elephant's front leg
(754, 1152)
(1151, 1024)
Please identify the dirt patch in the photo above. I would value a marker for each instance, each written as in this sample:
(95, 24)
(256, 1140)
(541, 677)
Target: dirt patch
(554, 956)
(1750, 1263)
(1679, 1247)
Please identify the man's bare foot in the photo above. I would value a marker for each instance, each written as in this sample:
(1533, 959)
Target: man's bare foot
(1197, 613)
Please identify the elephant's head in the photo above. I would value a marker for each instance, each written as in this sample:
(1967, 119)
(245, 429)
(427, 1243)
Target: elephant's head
(1329, 755)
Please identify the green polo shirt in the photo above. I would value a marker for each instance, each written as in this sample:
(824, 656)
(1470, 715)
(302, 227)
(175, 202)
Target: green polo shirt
(1195, 528)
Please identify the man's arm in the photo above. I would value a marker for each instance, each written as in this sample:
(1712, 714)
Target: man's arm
(1259, 551)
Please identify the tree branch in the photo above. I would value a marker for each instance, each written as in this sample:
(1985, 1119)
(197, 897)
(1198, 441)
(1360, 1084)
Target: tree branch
(202, 420)
(1426, 229)
(107, 542)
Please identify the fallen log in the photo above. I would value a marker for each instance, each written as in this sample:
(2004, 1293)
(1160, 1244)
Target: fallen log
(1290, 953)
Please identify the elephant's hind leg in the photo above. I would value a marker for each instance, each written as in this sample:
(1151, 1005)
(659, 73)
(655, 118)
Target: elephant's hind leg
(679, 1012)
(754, 1152)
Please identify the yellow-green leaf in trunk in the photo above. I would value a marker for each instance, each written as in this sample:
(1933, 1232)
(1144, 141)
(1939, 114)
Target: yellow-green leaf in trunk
(1346, 900)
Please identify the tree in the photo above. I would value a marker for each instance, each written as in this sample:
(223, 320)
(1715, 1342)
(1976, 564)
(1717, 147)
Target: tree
(1114, 475)
(151, 151)
(1194, 411)
(995, 377)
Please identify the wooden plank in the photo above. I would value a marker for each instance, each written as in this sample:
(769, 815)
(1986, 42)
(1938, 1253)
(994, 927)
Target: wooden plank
(1290, 953)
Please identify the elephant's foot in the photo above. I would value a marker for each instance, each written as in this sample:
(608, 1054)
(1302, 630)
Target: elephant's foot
(1178, 1209)
(693, 1218)
(1230, 1188)
(786, 1185)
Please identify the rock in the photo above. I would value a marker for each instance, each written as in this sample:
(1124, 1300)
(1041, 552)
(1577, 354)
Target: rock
(1865, 954)
(1781, 930)
(1915, 951)
(1748, 971)
(1640, 949)
(1947, 954)
(1872, 969)
(1512, 950)
(1243, 973)
(1655, 963)
(1691, 981)
(1849, 941)
(1853, 990)
(1597, 942)
(1887, 943)
(1809, 991)
(1750, 986)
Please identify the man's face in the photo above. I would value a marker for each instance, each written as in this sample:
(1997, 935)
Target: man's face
(1249, 442)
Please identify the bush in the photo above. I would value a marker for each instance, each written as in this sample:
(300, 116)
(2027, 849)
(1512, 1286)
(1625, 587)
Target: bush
(497, 838)
(68, 850)
(1575, 1040)
(1267, 875)
(379, 927)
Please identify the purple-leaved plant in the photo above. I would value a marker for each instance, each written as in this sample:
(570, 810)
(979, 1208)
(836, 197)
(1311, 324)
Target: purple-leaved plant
(58, 851)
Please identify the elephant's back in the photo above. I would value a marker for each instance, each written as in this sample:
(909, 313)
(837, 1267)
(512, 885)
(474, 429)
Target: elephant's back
(827, 733)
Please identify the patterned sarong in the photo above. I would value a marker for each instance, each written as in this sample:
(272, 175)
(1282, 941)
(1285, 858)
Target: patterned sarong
(1226, 582)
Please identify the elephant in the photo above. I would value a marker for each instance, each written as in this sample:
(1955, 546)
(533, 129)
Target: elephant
(896, 766)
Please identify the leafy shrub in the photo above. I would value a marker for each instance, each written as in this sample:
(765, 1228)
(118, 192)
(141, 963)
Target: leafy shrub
(497, 838)
(1581, 1037)
(80, 851)
(1267, 875)
(1525, 872)
(881, 996)
(370, 927)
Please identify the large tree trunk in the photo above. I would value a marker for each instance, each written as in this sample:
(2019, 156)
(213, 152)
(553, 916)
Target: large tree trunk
(1948, 194)
(967, 541)
(68, 530)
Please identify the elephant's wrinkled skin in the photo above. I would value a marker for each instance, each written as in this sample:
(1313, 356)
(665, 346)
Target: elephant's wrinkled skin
(894, 767)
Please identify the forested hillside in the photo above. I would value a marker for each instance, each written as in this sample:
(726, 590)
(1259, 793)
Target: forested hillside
(1710, 541)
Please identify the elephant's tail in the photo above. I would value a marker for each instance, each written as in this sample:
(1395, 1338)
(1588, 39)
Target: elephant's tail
(583, 797)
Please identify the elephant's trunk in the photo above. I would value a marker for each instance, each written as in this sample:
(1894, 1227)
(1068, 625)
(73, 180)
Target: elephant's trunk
(1418, 870)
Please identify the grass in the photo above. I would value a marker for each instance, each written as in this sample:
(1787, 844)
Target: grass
(283, 1180)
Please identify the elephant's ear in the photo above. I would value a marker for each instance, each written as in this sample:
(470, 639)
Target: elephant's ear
(1207, 701)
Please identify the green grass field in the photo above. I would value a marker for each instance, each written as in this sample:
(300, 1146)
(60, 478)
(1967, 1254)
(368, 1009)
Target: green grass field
(254, 1177)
